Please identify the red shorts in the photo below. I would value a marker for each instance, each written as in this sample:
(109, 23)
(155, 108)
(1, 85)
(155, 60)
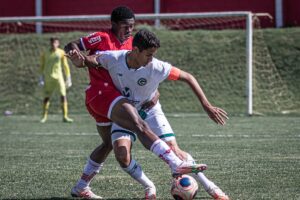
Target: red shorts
(100, 100)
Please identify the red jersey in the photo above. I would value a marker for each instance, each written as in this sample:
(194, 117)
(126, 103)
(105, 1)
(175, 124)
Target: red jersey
(102, 41)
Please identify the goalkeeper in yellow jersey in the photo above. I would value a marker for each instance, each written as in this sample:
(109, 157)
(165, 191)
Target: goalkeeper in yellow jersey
(52, 62)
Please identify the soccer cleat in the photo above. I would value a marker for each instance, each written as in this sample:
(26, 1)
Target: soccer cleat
(150, 193)
(217, 193)
(186, 168)
(67, 120)
(86, 193)
(43, 120)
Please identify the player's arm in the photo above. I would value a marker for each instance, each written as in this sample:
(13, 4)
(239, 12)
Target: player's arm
(73, 52)
(85, 61)
(92, 61)
(66, 67)
(41, 70)
(74, 45)
(216, 114)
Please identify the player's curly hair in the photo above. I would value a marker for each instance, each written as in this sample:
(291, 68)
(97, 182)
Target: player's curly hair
(145, 39)
(121, 13)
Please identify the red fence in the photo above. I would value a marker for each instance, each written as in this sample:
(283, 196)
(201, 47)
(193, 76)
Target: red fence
(291, 8)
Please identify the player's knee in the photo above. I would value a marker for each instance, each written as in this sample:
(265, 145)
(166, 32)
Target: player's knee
(122, 156)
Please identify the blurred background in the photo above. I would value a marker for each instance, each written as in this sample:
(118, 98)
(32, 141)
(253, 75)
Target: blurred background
(215, 49)
(285, 11)
(250, 158)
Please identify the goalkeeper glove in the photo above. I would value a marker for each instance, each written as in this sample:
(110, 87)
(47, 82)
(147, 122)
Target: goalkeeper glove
(41, 81)
(68, 82)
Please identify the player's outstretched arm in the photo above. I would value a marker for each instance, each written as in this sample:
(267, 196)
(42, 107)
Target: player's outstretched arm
(216, 114)
(73, 45)
(73, 52)
(80, 60)
(91, 61)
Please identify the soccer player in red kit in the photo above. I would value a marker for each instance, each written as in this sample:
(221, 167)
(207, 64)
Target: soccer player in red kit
(105, 102)
(117, 38)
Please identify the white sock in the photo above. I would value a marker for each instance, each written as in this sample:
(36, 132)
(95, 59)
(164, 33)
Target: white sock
(90, 170)
(136, 172)
(163, 151)
(205, 182)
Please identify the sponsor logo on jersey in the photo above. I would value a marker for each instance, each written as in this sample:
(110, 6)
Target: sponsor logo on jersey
(126, 92)
(95, 39)
(142, 82)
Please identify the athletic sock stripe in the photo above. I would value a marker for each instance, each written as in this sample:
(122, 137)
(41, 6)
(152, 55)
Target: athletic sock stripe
(167, 135)
(124, 131)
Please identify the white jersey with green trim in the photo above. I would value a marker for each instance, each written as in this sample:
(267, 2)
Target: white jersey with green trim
(137, 85)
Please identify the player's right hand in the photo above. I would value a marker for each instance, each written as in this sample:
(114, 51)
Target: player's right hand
(216, 114)
(76, 58)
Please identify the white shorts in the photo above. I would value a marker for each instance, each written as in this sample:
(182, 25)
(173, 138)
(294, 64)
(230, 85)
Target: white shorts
(157, 122)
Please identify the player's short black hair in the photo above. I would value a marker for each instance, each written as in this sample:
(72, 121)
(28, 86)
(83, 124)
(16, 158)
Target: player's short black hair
(52, 39)
(121, 13)
(145, 39)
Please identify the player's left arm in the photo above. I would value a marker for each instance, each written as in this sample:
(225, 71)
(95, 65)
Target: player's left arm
(66, 67)
(216, 114)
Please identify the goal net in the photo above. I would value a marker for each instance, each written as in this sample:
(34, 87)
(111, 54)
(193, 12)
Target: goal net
(214, 48)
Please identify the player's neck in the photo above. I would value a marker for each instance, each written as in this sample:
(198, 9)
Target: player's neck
(131, 61)
(116, 36)
(53, 49)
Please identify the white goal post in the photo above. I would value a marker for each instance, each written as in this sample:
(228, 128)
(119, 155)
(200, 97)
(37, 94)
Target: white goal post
(156, 17)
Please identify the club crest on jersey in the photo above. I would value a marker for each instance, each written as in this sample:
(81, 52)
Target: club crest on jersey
(95, 39)
(142, 82)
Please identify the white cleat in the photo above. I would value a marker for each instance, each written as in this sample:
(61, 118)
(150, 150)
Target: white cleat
(217, 193)
(187, 168)
(85, 193)
(150, 193)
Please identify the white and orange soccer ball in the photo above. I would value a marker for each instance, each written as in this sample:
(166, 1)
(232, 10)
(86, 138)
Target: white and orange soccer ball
(184, 188)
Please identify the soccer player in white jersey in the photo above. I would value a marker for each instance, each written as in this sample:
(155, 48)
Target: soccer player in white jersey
(137, 74)
(120, 111)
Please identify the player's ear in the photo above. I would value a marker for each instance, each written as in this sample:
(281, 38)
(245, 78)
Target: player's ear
(114, 24)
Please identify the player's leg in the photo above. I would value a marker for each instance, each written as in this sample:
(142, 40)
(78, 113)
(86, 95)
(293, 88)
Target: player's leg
(126, 116)
(48, 90)
(94, 163)
(100, 154)
(97, 158)
(210, 187)
(122, 149)
(161, 126)
(46, 105)
(64, 102)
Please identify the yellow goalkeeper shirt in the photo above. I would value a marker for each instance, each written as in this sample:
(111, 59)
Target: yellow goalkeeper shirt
(52, 62)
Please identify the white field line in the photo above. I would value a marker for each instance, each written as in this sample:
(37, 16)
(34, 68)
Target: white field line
(244, 136)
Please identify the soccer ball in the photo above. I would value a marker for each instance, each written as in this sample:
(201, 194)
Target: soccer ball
(184, 188)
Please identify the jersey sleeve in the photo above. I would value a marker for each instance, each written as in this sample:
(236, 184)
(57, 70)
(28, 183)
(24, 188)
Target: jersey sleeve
(161, 70)
(174, 73)
(104, 59)
(65, 64)
(92, 41)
